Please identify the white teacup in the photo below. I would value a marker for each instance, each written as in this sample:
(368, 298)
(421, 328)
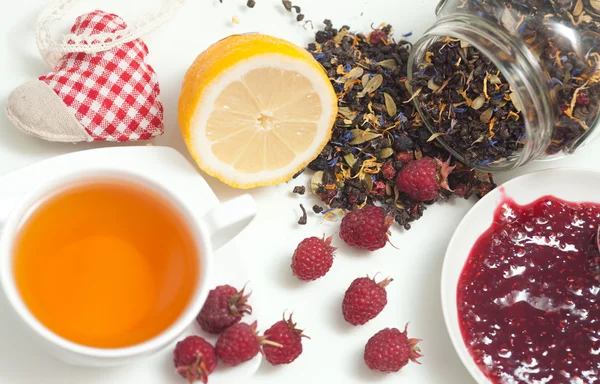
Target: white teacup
(210, 231)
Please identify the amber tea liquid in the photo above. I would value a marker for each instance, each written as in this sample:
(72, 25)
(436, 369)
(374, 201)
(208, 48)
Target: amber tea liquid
(107, 265)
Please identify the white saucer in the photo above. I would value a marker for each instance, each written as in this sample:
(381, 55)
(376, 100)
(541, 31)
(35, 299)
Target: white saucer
(18, 355)
(576, 185)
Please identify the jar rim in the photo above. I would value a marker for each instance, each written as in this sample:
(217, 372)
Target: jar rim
(527, 88)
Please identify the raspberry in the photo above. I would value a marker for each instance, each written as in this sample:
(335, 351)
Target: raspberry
(364, 300)
(404, 157)
(422, 179)
(313, 258)
(582, 98)
(366, 228)
(378, 188)
(389, 172)
(240, 343)
(328, 196)
(224, 307)
(389, 350)
(194, 358)
(376, 36)
(283, 332)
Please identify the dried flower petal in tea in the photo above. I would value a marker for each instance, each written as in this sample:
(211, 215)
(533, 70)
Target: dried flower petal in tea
(377, 131)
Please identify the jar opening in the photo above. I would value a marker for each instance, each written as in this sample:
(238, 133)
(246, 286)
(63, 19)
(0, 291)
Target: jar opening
(492, 116)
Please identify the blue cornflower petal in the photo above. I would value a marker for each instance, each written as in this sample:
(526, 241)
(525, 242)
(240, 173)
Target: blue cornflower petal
(402, 117)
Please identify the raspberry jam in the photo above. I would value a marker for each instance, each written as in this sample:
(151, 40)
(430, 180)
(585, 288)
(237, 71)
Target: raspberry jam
(529, 309)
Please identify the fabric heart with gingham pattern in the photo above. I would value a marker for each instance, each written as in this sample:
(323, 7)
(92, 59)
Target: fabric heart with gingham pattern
(111, 95)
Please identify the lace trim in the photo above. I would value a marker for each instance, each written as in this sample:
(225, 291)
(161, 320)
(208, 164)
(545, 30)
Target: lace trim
(52, 50)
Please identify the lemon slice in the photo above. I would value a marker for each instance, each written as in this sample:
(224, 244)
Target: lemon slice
(255, 109)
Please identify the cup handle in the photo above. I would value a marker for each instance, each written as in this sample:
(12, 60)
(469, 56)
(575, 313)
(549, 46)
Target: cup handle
(227, 220)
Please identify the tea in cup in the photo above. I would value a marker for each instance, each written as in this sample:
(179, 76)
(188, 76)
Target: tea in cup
(110, 266)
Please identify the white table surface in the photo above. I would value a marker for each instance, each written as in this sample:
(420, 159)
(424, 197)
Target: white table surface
(334, 354)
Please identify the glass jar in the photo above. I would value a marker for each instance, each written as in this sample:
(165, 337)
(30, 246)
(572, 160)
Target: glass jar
(500, 83)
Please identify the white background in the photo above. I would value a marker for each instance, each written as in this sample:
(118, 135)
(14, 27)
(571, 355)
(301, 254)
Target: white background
(262, 253)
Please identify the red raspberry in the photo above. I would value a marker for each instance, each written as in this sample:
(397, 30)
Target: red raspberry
(376, 36)
(378, 188)
(582, 98)
(366, 228)
(364, 300)
(389, 350)
(389, 173)
(422, 179)
(224, 307)
(194, 358)
(405, 157)
(313, 258)
(328, 196)
(283, 332)
(240, 343)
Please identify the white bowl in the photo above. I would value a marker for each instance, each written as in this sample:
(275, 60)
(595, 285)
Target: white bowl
(565, 183)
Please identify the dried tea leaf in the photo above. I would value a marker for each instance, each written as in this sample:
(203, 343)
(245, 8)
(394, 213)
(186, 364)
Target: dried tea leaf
(479, 140)
(355, 73)
(349, 85)
(494, 79)
(470, 78)
(434, 136)
(365, 79)
(530, 41)
(359, 136)
(367, 181)
(390, 105)
(347, 112)
(388, 189)
(486, 116)
(578, 8)
(350, 159)
(432, 85)
(388, 64)
(464, 44)
(341, 34)
(317, 179)
(347, 122)
(444, 84)
(595, 4)
(515, 99)
(417, 93)
(418, 154)
(372, 85)
(508, 20)
(478, 102)
(385, 153)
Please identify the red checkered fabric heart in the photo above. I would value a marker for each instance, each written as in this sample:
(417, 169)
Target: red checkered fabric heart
(112, 95)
